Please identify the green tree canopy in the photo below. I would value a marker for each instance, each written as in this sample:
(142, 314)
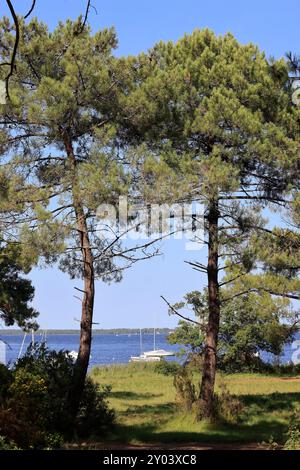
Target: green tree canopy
(16, 292)
(251, 325)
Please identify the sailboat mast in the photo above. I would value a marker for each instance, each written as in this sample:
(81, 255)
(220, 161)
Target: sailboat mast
(141, 341)
(22, 345)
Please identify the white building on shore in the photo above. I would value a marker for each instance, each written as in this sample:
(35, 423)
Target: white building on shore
(2, 352)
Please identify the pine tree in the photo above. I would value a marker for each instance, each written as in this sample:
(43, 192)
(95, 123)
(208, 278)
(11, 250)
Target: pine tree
(217, 117)
(59, 132)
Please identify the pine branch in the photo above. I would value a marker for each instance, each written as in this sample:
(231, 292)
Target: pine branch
(31, 10)
(83, 24)
(232, 279)
(15, 48)
(263, 289)
(197, 266)
(179, 314)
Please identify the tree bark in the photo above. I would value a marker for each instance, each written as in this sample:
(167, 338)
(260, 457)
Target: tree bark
(86, 323)
(212, 330)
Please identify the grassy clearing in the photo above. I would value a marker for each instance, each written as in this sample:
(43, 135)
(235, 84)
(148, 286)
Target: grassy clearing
(147, 412)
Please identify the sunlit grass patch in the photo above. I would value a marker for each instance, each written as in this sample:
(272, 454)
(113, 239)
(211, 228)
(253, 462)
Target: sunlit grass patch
(147, 411)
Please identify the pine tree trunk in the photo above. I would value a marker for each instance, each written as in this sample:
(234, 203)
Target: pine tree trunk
(87, 309)
(210, 353)
(82, 362)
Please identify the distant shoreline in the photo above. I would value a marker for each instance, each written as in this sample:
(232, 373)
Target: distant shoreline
(113, 331)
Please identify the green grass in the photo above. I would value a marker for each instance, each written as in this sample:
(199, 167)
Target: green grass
(146, 410)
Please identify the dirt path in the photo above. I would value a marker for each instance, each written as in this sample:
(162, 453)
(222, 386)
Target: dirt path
(169, 446)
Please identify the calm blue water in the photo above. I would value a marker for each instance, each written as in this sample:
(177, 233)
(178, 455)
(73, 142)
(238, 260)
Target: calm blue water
(112, 349)
(106, 349)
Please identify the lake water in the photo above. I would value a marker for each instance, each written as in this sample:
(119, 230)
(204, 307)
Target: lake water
(106, 348)
(117, 349)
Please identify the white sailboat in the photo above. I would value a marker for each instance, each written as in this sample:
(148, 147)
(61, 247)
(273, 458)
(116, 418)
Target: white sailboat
(160, 353)
(155, 355)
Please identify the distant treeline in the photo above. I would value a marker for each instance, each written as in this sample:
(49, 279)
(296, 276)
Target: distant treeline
(114, 331)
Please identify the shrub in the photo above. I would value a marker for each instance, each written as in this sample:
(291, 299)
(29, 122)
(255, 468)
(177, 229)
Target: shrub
(234, 365)
(185, 389)
(15, 430)
(94, 416)
(293, 438)
(227, 407)
(6, 445)
(167, 368)
(52, 440)
(35, 411)
(287, 369)
(6, 378)
(55, 371)
(28, 397)
(293, 433)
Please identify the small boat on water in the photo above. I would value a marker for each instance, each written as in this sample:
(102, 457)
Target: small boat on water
(159, 353)
(151, 356)
(144, 358)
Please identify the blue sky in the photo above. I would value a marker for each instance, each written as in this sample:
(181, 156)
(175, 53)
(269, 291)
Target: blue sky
(135, 302)
(272, 24)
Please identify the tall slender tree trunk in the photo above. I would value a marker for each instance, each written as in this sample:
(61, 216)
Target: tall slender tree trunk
(86, 323)
(212, 331)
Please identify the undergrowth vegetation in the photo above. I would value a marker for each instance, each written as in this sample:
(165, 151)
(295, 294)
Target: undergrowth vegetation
(34, 398)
